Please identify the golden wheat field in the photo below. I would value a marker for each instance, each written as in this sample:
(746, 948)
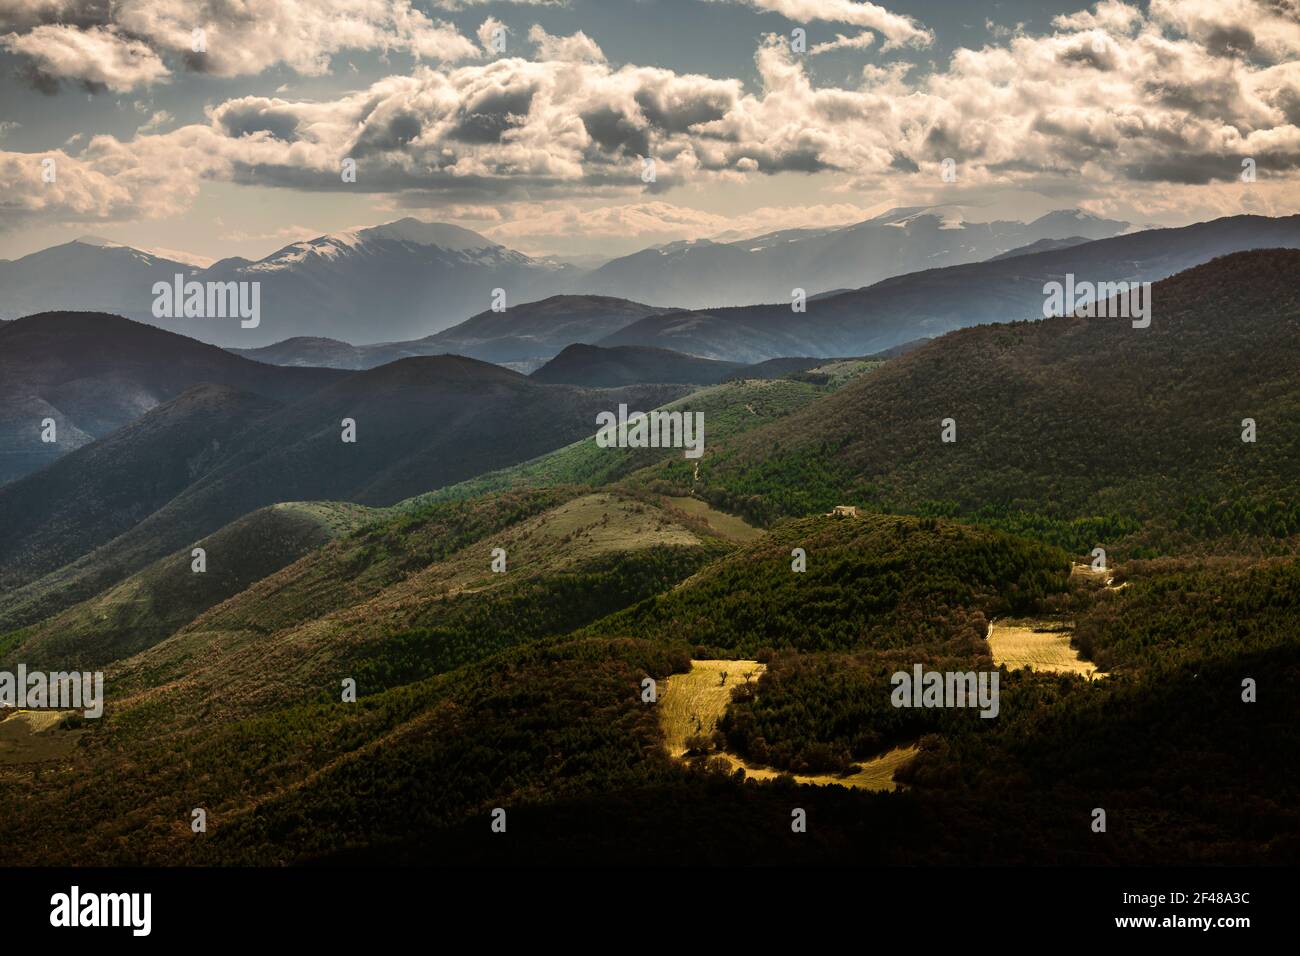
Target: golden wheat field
(1040, 646)
(691, 703)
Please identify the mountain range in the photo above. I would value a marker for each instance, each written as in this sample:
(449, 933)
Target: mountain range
(859, 321)
(524, 689)
(631, 364)
(408, 280)
(934, 301)
(521, 337)
(1101, 431)
(705, 275)
(216, 452)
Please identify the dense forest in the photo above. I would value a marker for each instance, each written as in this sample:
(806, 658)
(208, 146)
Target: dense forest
(524, 690)
(878, 581)
(1066, 428)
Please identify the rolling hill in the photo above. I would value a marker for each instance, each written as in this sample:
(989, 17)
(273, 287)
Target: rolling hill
(93, 373)
(533, 332)
(935, 301)
(525, 689)
(152, 603)
(95, 493)
(553, 726)
(598, 367)
(521, 337)
(1084, 430)
(420, 423)
(414, 612)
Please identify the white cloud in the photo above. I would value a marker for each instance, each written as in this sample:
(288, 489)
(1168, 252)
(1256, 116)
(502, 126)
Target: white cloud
(488, 33)
(159, 119)
(576, 48)
(1104, 108)
(1113, 16)
(841, 42)
(898, 30)
(1267, 27)
(96, 55)
(123, 45)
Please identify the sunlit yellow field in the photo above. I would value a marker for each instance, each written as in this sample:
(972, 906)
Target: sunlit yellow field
(1037, 645)
(690, 704)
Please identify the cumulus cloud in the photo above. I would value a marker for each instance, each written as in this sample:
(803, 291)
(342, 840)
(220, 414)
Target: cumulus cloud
(898, 30)
(1269, 27)
(1113, 16)
(97, 55)
(1104, 104)
(157, 120)
(490, 34)
(123, 45)
(576, 48)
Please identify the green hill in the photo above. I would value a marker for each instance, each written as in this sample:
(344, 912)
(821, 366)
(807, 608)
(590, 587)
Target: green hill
(729, 409)
(599, 367)
(1081, 431)
(154, 602)
(524, 689)
(420, 423)
(383, 607)
(102, 489)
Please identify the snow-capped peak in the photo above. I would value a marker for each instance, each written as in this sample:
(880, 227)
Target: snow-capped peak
(441, 234)
(100, 242)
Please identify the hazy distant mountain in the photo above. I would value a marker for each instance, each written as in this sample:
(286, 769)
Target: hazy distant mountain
(310, 351)
(93, 373)
(408, 279)
(85, 275)
(537, 331)
(522, 337)
(392, 282)
(599, 367)
(705, 274)
(1042, 245)
(936, 301)
(400, 280)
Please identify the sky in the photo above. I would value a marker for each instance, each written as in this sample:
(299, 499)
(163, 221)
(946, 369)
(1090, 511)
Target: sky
(597, 127)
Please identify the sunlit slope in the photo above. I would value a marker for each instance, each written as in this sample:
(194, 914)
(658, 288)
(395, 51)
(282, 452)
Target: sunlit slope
(577, 561)
(691, 703)
(151, 604)
(729, 409)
